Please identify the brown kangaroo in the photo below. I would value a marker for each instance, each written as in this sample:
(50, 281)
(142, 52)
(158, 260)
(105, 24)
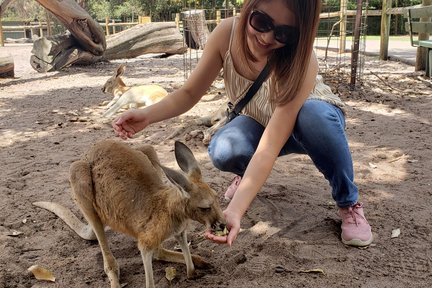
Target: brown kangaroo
(130, 191)
(134, 96)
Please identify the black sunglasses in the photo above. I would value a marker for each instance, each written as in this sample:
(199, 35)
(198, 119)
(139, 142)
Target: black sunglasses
(263, 23)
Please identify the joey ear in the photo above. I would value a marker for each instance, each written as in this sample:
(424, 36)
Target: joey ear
(186, 160)
(120, 70)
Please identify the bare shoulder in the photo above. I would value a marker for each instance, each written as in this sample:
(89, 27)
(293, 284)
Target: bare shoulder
(220, 36)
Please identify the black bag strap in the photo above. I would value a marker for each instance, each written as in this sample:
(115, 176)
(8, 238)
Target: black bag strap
(252, 90)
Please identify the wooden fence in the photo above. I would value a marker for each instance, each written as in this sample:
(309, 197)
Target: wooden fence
(111, 27)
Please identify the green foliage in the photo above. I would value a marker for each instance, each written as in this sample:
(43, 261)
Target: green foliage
(334, 5)
(23, 10)
(159, 10)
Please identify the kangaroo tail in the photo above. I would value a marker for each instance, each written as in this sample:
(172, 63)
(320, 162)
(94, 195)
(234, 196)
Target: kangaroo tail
(83, 230)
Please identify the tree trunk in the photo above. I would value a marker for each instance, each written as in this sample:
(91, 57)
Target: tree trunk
(6, 66)
(88, 33)
(153, 37)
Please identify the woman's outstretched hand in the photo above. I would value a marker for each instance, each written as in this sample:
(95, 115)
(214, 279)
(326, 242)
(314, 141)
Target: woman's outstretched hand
(129, 123)
(233, 226)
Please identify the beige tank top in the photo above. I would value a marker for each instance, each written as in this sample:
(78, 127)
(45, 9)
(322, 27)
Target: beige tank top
(259, 107)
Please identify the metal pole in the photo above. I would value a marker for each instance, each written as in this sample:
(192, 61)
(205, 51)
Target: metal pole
(356, 44)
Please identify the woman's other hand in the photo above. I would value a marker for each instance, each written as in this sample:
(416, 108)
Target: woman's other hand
(130, 122)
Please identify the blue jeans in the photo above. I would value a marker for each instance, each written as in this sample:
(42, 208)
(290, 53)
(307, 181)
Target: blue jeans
(319, 132)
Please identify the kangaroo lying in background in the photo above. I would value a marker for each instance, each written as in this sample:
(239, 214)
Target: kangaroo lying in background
(214, 121)
(130, 191)
(135, 96)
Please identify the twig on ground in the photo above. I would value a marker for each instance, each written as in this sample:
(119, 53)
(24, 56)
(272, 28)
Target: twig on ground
(385, 82)
(425, 81)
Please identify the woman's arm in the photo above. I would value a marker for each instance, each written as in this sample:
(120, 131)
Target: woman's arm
(275, 136)
(188, 95)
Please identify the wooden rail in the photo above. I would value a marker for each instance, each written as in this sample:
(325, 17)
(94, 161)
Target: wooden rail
(23, 28)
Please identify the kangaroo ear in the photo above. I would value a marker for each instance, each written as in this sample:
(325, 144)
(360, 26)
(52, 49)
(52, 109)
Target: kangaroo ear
(178, 178)
(186, 160)
(120, 70)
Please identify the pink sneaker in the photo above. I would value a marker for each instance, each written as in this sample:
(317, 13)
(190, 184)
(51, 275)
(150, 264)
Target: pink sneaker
(229, 194)
(356, 231)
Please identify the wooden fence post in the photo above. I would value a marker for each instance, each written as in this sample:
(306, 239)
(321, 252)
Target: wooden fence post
(385, 29)
(342, 26)
(40, 29)
(218, 16)
(48, 21)
(177, 20)
(107, 32)
(356, 45)
(1, 33)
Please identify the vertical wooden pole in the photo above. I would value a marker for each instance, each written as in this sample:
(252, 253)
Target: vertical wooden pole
(48, 21)
(421, 56)
(177, 20)
(107, 32)
(226, 8)
(1, 33)
(342, 26)
(385, 29)
(113, 27)
(356, 44)
(218, 16)
(40, 29)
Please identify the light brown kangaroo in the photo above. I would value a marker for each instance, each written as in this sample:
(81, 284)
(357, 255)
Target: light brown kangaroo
(214, 121)
(130, 191)
(134, 96)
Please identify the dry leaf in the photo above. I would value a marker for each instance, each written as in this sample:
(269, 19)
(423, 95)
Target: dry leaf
(14, 233)
(170, 273)
(41, 273)
(317, 270)
(395, 233)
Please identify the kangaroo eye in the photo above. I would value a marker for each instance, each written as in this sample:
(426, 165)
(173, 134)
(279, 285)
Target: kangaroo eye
(205, 210)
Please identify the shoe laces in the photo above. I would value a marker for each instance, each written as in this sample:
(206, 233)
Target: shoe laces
(353, 214)
(236, 181)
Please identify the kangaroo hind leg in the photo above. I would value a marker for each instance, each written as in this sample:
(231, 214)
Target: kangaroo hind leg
(83, 194)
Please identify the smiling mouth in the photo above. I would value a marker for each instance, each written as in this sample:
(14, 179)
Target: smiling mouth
(261, 44)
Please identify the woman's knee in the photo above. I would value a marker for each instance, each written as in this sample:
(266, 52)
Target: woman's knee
(232, 147)
(227, 156)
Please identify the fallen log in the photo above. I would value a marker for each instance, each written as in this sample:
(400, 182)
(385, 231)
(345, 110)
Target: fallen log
(57, 52)
(153, 37)
(7, 66)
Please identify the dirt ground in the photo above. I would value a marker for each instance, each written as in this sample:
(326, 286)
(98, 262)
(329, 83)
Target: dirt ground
(291, 234)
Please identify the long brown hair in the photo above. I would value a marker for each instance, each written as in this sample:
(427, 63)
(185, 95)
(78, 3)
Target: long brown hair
(289, 63)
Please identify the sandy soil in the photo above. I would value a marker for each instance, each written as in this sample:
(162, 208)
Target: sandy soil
(291, 231)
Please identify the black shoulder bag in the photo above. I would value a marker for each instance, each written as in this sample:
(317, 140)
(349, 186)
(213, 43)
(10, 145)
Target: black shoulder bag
(234, 111)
